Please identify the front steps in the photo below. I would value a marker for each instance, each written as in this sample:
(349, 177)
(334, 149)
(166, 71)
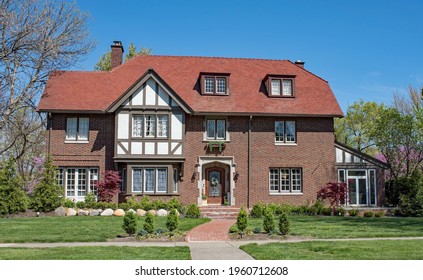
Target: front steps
(219, 212)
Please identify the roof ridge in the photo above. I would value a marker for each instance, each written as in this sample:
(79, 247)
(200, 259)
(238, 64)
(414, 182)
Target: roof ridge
(213, 57)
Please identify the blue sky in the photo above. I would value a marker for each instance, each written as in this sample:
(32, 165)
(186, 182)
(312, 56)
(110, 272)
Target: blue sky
(364, 49)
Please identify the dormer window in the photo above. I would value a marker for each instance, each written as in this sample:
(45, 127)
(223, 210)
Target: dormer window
(280, 86)
(214, 84)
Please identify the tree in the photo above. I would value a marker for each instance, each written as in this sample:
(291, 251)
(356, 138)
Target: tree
(149, 224)
(354, 129)
(109, 187)
(335, 193)
(172, 220)
(284, 226)
(242, 219)
(12, 198)
(130, 223)
(268, 222)
(47, 194)
(36, 37)
(105, 62)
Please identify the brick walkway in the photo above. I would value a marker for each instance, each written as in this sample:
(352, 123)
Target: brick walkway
(215, 230)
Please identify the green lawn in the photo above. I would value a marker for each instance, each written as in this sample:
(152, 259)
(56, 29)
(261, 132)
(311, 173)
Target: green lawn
(96, 253)
(75, 229)
(340, 250)
(348, 227)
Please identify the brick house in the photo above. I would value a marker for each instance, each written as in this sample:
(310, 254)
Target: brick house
(232, 131)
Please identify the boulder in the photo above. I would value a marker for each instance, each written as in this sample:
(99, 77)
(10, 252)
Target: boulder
(107, 212)
(141, 212)
(162, 213)
(82, 212)
(95, 212)
(60, 211)
(70, 212)
(132, 211)
(153, 212)
(119, 213)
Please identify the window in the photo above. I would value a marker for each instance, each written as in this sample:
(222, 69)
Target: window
(215, 85)
(281, 87)
(77, 129)
(150, 126)
(78, 181)
(285, 180)
(285, 132)
(149, 180)
(216, 129)
(175, 180)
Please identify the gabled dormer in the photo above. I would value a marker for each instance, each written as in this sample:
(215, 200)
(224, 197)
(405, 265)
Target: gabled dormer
(278, 85)
(214, 83)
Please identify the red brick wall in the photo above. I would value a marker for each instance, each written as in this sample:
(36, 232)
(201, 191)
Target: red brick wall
(99, 150)
(314, 153)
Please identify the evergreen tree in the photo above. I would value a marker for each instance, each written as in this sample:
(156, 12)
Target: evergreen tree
(268, 222)
(284, 226)
(242, 219)
(172, 220)
(12, 198)
(47, 194)
(130, 223)
(149, 223)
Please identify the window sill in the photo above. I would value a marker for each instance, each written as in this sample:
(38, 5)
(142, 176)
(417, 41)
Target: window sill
(285, 144)
(76, 142)
(277, 194)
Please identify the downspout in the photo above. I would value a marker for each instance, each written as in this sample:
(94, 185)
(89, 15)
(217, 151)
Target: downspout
(49, 132)
(249, 162)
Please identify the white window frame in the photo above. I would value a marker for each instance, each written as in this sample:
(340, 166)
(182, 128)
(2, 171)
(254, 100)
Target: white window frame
(156, 125)
(285, 140)
(282, 89)
(91, 179)
(79, 131)
(277, 189)
(216, 132)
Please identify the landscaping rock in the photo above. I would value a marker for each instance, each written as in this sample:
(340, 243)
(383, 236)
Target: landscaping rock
(153, 212)
(60, 211)
(82, 212)
(132, 211)
(162, 213)
(107, 212)
(95, 212)
(141, 212)
(70, 212)
(119, 213)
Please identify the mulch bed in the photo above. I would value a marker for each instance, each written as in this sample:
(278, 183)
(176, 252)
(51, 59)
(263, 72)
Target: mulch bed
(30, 213)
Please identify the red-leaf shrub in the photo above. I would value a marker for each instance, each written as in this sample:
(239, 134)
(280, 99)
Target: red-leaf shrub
(335, 193)
(109, 187)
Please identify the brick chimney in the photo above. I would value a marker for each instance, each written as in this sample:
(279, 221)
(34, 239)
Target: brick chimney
(117, 53)
(299, 63)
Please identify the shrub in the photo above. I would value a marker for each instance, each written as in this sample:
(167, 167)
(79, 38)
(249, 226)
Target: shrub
(339, 211)
(124, 206)
(132, 203)
(68, 203)
(174, 203)
(90, 200)
(159, 204)
(130, 223)
(149, 223)
(327, 211)
(318, 206)
(193, 211)
(104, 205)
(12, 198)
(284, 226)
(408, 194)
(334, 193)
(47, 194)
(268, 222)
(257, 230)
(172, 220)
(80, 205)
(109, 186)
(145, 203)
(353, 212)
(242, 219)
(257, 210)
(160, 231)
(379, 214)
(368, 214)
(284, 208)
(142, 233)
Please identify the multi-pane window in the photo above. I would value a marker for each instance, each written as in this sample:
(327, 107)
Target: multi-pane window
(281, 87)
(78, 181)
(149, 180)
(285, 180)
(162, 121)
(216, 129)
(285, 132)
(77, 129)
(150, 126)
(215, 85)
(137, 124)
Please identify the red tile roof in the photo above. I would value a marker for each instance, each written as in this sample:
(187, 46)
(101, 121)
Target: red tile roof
(96, 91)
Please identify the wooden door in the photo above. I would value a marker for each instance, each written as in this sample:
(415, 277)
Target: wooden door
(215, 185)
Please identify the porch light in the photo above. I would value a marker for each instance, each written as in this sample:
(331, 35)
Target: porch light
(236, 176)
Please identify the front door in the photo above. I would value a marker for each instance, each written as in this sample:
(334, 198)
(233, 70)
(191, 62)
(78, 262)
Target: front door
(215, 185)
(357, 186)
